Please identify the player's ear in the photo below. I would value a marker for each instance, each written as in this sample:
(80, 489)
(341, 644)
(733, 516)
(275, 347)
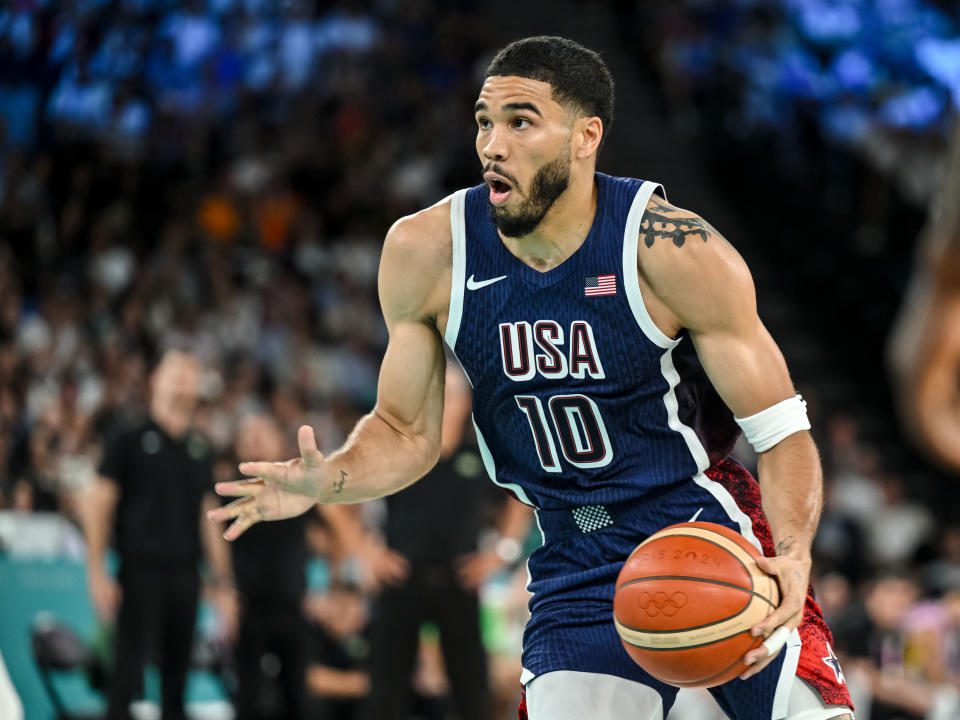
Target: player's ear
(588, 132)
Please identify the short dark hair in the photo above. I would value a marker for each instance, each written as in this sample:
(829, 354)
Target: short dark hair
(577, 75)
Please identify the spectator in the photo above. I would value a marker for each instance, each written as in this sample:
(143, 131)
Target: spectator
(337, 677)
(872, 644)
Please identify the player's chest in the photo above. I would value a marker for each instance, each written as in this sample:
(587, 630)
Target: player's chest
(547, 338)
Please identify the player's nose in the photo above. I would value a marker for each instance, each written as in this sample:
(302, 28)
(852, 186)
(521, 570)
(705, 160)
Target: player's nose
(496, 147)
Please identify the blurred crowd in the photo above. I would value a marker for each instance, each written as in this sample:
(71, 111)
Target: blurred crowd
(863, 75)
(218, 175)
(241, 217)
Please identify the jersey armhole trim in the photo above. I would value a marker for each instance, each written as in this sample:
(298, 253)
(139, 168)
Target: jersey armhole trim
(631, 281)
(788, 676)
(458, 267)
(491, 467)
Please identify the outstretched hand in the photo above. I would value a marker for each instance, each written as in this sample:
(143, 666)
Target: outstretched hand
(275, 491)
(793, 577)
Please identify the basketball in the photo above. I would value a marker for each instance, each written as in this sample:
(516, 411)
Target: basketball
(685, 602)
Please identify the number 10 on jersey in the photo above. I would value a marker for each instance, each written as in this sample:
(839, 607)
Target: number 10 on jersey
(575, 421)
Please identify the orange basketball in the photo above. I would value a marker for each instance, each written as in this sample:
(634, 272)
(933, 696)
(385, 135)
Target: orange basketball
(686, 600)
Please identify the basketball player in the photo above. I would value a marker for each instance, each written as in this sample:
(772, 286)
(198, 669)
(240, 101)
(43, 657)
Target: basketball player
(925, 343)
(605, 333)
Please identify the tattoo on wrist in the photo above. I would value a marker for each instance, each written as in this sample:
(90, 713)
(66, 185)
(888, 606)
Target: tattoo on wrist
(784, 545)
(338, 484)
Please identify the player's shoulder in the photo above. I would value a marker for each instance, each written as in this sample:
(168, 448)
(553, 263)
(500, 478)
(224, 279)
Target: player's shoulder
(416, 263)
(689, 265)
(679, 244)
(423, 236)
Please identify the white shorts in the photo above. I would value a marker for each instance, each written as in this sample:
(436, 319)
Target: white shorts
(568, 695)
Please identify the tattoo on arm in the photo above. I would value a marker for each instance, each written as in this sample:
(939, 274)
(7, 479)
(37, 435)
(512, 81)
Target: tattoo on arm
(785, 544)
(338, 484)
(674, 224)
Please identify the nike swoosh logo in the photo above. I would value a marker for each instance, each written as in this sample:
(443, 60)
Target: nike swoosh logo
(695, 515)
(477, 284)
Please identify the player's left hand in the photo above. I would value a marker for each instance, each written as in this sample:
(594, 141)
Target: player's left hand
(792, 572)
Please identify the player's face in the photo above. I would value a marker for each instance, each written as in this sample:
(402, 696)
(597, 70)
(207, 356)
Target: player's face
(523, 140)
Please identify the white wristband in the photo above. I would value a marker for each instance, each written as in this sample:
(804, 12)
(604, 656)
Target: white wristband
(770, 426)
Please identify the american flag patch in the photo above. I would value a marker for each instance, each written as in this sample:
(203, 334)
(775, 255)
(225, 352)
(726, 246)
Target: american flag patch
(600, 285)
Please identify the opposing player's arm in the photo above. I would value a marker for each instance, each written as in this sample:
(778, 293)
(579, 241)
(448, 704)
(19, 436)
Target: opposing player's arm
(399, 441)
(701, 283)
(924, 346)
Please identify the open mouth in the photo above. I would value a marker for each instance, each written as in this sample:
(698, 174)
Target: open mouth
(499, 191)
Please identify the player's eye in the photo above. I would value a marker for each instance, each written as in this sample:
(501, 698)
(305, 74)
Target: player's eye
(520, 123)
(484, 124)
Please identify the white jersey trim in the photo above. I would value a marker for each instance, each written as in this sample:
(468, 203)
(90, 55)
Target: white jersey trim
(689, 435)
(730, 506)
(631, 282)
(458, 269)
(491, 467)
(788, 676)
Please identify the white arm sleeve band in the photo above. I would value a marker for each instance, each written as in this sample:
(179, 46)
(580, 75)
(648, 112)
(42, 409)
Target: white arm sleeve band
(770, 426)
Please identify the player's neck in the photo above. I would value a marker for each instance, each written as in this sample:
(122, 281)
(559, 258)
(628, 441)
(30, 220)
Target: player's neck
(562, 231)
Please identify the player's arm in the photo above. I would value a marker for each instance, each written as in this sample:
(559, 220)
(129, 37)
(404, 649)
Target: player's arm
(399, 441)
(924, 346)
(702, 284)
(396, 443)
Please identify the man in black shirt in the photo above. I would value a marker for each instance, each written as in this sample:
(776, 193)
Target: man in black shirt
(155, 482)
(270, 570)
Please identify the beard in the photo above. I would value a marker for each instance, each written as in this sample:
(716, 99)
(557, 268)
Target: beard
(547, 185)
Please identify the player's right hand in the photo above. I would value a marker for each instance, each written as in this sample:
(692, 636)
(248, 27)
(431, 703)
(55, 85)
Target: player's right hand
(305, 475)
(258, 500)
(277, 490)
(105, 594)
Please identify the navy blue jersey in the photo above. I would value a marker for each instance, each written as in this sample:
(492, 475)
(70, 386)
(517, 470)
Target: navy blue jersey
(579, 399)
(585, 410)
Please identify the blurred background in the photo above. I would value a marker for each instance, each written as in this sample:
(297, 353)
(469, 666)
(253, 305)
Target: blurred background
(218, 175)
